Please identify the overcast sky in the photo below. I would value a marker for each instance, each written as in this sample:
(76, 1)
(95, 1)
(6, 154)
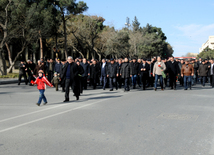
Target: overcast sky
(187, 24)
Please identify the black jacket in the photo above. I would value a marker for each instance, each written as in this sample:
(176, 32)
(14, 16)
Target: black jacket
(134, 68)
(203, 69)
(22, 68)
(86, 68)
(125, 70)
(113, 70)
(147, 67)
(94, 71)
(173, 68)
(73, 71)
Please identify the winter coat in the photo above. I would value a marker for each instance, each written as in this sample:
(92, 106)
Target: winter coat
(147, 67)
(134, 68)
(37, 68)
(22, 69)
(173, 68)
(113, 70)
(94, 71)
(57, 67)
(86, 68)
(125, 70)
(157, 70)
(55, 80)
(203, 69)
(187, 70)
(41, 83)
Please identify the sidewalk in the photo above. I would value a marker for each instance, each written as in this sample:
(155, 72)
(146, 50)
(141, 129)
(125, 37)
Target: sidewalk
(8, 80)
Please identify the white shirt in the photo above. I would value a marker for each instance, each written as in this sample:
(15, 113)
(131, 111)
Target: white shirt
(104, 65)
(211, 69)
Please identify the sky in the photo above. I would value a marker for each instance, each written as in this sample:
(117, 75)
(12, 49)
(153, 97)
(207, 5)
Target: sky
(187, 24)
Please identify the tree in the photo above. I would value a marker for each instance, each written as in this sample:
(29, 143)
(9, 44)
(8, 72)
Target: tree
(67, 7)
(135, 24)
(4, 22)
(207, 53)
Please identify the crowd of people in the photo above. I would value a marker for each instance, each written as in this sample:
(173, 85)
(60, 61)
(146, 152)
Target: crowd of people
(80, 73)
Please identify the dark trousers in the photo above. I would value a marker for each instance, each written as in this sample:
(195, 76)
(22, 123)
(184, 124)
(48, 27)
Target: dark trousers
(68, 84)
(113, 82)
(84, 82)
(119, 81)
(57, 86)
(165, 81)
(212, 80)
(50, 75)
(94, 83)
(20, 77)
(126, 84)
(139, 80)
(203, 80)
(172, 80)
(144, 78)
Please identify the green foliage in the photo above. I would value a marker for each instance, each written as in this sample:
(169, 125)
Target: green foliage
(207, 53)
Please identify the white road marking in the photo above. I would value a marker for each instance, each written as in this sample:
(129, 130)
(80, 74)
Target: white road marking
(40, 119)
(7, 119)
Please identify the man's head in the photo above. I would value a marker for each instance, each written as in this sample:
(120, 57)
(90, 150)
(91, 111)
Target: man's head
(211, 61)
(159, 59)
(203, 62)
(182, 61)
(51, 60)
(119, 61)
(126, 60)
(134, 60)
(70, 59)
(172, 59)
(84, 60)
(187, 62)
(112, 60)
(139, 60)
(103, 60)
(94, 62)
(144, 60)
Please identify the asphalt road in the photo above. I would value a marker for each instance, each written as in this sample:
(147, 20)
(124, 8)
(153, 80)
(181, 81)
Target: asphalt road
(107, 123)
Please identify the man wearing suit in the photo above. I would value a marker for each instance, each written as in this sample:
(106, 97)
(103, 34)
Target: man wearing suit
(103, 77)
(212, 73)
(173, 71)
(144, 72)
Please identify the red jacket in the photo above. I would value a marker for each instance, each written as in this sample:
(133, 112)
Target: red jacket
(41, 83)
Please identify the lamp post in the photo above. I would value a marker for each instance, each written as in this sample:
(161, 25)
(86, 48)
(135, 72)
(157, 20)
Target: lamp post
(127, 22)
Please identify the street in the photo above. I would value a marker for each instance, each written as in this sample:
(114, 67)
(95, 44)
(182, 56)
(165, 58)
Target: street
(170, 122)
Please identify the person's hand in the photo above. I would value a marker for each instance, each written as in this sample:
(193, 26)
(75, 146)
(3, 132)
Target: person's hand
(52, 86)
(144, 69)
(154, 75)
(182, 75)
(117, 75)
(161, 70)
(192, 74)
(88, 74)
(141, 69)
(107, 75)
(130, 75)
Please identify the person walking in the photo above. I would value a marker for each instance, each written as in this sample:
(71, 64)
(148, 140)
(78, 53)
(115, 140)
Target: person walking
(187, 71)
(212, 73)
(22, 72)
(202, 72)
(94, 74)
(159, 68)
(112, 73)
(86, 68)
(144, 72)
(126, 73)
(103, 77)
(134, 67)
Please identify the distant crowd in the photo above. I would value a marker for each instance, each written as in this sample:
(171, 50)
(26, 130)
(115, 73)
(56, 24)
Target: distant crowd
(118, 73)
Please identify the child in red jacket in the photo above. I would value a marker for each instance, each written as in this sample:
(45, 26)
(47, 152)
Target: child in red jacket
(41, 82)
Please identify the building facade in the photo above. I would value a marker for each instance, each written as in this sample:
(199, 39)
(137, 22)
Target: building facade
(209, 43)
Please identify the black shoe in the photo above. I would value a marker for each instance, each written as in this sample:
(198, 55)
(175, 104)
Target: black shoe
(111, 90)
(77, 97)
(66, 100)
(45, 103)
(103, 88)
(38, 104)
(18, 83)
(174, 88)
(155, 89)
(63, 91)
(57, 89)
(185, 89)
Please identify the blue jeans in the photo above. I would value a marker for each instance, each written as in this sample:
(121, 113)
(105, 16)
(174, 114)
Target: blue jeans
(187, 81)
(103, 79)
(203, 80)
(42, 96)
(134, 80)
(156, 80)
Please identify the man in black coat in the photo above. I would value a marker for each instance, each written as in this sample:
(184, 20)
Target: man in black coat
(144, 72)
(212, 73)
(30, 68)
(119, 78)
(173, 70)
(112, 73)
(71, 74)
(50, 69)
(94, 73)
(126, 73)
(22, 72)
(86, 68)
(134, 67)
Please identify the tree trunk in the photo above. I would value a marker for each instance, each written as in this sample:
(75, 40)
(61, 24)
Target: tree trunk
(65, 35)
(41, 46)
(9, 54)
(14, 61)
